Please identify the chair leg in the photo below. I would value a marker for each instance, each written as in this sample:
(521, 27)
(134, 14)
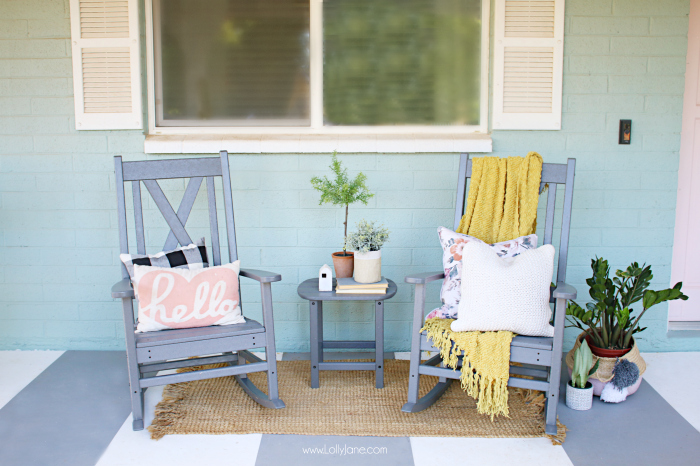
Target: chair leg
(433, 395)
(242, 361)
(413, 379)
(137, 409)
(550, 420)
(414, 404)
(555, 371)
(254, 392)
(270, 350)
(413, 374)
(272, 387)
(136, 391)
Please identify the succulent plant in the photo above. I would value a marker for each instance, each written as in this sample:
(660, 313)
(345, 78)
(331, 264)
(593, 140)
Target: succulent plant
(368, 237)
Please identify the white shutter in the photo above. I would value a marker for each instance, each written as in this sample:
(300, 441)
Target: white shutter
(528, 64)
(106, 64)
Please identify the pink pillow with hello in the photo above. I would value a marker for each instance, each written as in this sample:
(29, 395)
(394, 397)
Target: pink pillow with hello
(182, 298)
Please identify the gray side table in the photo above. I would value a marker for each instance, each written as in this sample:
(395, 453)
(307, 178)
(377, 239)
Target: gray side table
(309, 290)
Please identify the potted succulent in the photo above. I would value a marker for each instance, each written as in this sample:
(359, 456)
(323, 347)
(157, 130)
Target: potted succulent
(609, 322)
(367, 243)
(579, 391)
(342, 191)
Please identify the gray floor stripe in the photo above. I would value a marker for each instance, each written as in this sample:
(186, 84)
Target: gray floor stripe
(69, 413)
(643, 430)
(315, 450)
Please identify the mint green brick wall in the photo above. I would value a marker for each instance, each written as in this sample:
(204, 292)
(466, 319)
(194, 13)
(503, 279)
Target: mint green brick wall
(58, 255)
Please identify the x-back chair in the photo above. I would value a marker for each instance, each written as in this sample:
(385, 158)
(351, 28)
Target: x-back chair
(540, 357)
(150, 352)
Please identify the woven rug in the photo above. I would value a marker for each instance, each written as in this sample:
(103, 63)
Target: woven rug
(347, 403)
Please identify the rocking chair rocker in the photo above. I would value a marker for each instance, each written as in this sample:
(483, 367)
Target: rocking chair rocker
(151, 352)
(540, 357)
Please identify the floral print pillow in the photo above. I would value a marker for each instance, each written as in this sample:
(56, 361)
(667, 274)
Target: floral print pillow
(452, 245)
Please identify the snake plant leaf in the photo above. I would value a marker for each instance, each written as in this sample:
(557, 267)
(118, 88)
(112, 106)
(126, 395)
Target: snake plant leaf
(583, 360)
(594, 368)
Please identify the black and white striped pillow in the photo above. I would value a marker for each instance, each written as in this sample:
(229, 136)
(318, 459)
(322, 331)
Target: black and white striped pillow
(193, 256)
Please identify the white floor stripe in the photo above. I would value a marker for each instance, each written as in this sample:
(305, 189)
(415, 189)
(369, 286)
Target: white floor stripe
(439, 451)
(137, 448)
(676, 378)
(20, 368)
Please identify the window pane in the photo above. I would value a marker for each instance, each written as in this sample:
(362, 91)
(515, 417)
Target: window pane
(394, 62)
(233, 62)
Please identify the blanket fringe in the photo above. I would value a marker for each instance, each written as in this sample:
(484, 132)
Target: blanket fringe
(484, 364)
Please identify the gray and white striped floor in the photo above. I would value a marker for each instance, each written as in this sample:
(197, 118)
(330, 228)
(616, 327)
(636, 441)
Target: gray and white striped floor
(72, 408)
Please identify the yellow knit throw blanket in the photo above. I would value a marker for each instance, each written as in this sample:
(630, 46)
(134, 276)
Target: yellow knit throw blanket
(503, 195)
(502, 205)
(485, 366)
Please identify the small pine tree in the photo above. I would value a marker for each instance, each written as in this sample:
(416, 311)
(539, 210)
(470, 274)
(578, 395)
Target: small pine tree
(342, 191)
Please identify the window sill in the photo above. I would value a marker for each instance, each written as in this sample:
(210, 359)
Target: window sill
(294, 143)
(675, 326)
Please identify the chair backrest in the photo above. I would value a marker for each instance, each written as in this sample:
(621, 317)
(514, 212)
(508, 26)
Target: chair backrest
(197, 170)
(553, 174)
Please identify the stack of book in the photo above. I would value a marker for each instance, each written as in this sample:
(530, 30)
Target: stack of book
(350, 286)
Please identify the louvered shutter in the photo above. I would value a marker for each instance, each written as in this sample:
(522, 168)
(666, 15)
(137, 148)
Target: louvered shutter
(106, 64)
(528, 63)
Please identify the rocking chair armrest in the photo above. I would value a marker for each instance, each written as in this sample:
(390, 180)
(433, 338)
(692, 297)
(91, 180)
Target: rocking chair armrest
(261, 275)
(565, 291)
(423, 278)
(123, 289)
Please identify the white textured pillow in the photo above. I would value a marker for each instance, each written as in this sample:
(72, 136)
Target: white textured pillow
(506, 293)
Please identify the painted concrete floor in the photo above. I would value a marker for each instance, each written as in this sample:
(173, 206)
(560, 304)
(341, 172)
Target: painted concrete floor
(72, 409)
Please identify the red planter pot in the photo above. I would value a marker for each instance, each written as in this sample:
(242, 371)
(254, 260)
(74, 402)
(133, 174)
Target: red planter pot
(604, 352)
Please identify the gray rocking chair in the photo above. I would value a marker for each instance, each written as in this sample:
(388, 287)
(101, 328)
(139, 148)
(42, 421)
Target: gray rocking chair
(150, 352)
(540, 357)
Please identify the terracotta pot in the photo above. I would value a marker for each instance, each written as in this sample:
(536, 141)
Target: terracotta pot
(604, 352)
(343, 265)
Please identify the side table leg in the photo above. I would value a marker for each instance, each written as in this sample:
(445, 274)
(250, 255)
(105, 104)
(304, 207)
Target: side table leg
(315, 310)
(379, 339)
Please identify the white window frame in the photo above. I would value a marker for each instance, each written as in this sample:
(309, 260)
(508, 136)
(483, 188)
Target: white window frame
(316, 97)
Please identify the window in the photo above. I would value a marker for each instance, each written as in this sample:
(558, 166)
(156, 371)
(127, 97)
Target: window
(313, 66)
(316, 75)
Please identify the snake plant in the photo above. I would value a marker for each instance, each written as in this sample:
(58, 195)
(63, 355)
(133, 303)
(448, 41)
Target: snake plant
(583, 360)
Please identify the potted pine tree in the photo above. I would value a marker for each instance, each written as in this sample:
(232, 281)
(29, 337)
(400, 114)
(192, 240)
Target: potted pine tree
(342, 191)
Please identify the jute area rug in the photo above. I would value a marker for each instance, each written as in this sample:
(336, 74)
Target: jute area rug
(347, 403)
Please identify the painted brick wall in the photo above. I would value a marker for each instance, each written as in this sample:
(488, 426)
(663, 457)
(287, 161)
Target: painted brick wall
(58, 238)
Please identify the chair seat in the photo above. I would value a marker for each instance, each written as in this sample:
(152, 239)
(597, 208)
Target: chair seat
(167, 337)
(541, 343)
(519, 341)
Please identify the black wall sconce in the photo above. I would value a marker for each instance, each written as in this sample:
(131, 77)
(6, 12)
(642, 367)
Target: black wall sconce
(625, 132)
